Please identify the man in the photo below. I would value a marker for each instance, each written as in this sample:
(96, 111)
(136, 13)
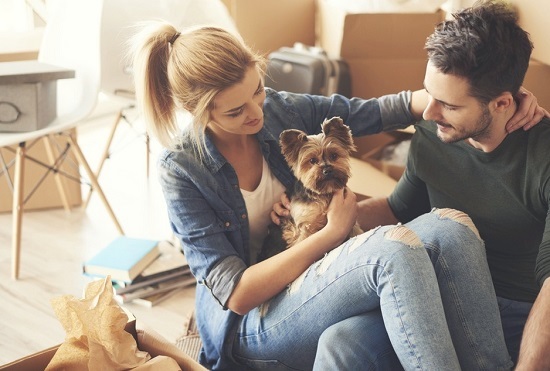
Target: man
(462, 157)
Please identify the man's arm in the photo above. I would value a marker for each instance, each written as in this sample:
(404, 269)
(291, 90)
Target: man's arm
(534, 353)
(374, 212)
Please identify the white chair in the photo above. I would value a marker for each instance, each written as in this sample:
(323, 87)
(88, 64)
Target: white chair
(71, 40)
(117, 21)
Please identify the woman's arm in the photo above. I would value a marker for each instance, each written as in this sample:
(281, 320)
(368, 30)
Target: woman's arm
(528, 114)
(419, 102)
(262, 281)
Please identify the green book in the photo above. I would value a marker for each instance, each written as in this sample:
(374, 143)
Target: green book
(123, 259)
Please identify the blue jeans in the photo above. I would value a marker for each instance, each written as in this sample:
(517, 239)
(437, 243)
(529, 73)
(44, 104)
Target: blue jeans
(514, 315)
(428, 279)
(372, 349)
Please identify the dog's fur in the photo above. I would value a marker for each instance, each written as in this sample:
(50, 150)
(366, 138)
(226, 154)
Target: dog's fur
(321, 164)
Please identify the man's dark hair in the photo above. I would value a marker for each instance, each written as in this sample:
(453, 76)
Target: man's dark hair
(485, 45)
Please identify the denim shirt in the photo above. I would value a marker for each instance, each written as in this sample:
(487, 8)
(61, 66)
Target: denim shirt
(207, 211)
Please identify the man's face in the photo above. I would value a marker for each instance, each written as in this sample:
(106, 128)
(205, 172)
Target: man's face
(458, 115)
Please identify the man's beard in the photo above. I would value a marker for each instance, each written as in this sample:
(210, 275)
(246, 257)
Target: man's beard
(480, 130)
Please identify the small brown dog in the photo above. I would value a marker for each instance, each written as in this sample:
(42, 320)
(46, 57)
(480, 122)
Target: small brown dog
(321, 164)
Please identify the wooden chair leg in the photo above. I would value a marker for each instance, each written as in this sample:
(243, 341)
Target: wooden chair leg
(93, 179)
(59, 181)
(105, 154)
(17, 209)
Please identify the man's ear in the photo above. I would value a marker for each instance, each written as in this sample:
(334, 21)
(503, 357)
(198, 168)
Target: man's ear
(503, 102)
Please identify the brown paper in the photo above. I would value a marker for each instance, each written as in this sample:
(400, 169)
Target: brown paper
(163, 363)
(95, 335)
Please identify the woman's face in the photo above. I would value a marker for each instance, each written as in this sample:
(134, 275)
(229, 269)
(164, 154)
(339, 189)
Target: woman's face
(238, 109)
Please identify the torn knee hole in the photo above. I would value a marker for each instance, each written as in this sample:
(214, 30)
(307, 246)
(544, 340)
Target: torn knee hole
(404, 235)
(459, 217)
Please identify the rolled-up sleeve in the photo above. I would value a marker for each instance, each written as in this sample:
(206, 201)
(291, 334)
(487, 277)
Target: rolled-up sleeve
(395, 110)
(223, 278)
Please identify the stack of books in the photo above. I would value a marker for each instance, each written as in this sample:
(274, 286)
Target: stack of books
(144, 272)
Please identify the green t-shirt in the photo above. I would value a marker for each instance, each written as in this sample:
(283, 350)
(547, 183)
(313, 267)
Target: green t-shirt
(506, 193)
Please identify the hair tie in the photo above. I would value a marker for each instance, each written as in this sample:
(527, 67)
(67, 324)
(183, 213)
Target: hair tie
(176, 35)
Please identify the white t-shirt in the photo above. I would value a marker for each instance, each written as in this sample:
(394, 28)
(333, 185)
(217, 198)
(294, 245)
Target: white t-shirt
(259, 204)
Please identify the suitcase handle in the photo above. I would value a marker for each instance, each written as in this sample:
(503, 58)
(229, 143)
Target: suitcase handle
(309, 49)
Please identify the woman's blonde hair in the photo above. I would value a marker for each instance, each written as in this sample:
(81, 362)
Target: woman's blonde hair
(187, 70)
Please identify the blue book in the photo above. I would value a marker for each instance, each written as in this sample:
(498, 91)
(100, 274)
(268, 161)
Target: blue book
(123, 259)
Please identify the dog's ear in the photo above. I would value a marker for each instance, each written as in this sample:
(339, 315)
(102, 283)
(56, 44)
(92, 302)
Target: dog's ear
(335, 128)
(291, 141)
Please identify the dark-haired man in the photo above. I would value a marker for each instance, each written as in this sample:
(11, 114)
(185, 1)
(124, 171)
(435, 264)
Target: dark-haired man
(462, 157)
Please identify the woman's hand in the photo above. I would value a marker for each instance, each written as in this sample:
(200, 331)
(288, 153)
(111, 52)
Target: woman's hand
(342, 213)
(528, 114)
(280, 209)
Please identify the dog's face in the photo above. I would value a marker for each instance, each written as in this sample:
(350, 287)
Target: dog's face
(321, 161)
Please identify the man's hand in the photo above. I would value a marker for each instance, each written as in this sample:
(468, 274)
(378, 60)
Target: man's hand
(528, 114)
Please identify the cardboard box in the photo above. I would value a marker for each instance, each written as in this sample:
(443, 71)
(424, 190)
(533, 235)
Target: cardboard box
(46, 195)
(17, 46)
(268, 25)
(533, 18)
(27, 107)
(385, 51)
(376, 77)
(537, 80)
(28, 95)
(147, 340)
(370, 175)
(40, 360)
(366, 181)
(373, 35)
(370, 149)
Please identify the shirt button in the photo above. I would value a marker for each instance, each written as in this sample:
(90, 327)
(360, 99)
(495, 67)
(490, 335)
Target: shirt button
(227, 224)
(243, 216)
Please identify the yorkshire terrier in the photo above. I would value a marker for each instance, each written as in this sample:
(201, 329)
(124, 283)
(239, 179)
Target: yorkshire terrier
(321, 164)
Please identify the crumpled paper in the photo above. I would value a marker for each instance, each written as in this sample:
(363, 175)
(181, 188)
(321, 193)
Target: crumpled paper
(95, 336)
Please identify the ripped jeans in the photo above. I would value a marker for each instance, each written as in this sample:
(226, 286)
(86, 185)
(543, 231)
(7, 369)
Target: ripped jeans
(428, 278)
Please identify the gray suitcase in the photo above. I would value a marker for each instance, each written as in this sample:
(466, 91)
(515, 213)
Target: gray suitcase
(307, 69)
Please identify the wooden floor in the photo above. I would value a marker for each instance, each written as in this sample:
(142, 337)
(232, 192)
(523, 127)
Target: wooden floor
(55, 243)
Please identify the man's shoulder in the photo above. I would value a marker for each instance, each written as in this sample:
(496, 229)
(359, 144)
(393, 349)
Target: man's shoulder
(425, 130)
(539, 139)
(543, 127)
(425, 126)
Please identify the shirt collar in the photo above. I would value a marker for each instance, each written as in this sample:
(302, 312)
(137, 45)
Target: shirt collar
(215, 161)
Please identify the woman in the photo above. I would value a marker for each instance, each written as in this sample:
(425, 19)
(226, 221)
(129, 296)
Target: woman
(220, 178)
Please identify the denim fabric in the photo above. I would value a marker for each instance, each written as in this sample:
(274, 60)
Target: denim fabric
(357, 343)
(436, 298)
(208, 213)
(513, 315)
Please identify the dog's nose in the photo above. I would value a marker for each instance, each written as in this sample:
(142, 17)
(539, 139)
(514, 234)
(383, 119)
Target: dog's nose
(327, 170)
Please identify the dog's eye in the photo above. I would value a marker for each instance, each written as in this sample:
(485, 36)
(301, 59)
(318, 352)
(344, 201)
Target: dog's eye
(313, 160)
(333, 157)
